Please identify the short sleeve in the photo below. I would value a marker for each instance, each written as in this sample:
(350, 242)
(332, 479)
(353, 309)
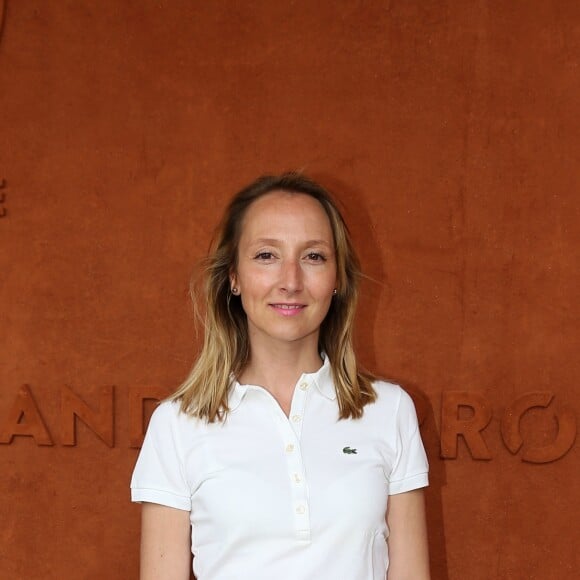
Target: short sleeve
(410, 469)
(159, 475)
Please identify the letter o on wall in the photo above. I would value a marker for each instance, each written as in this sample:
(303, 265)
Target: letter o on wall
(510, 429)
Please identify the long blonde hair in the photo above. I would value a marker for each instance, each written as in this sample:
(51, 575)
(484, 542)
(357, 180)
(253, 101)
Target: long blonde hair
(226, 348)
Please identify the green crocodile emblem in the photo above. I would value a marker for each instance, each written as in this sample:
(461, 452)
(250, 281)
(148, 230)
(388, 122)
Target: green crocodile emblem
(348, 450)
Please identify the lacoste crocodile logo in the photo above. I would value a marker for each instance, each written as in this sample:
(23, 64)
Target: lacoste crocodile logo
(348, 451)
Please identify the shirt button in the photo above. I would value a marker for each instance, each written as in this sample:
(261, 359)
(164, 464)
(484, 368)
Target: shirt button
(296, 418)
(297, 478)
(289, 448)
(303, 385)
(300, 509)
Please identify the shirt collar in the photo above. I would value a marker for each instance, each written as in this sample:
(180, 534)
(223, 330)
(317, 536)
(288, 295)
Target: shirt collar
(322, 379)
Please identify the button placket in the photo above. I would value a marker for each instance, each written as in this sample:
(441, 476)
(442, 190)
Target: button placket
(294, 463)
(297, 407)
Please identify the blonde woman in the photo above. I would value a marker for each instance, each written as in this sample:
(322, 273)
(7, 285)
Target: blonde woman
(278, 458)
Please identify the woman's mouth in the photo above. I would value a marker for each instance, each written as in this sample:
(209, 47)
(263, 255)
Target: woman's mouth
(288, 309)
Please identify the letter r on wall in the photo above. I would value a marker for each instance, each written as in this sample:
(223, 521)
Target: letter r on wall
(470, 428)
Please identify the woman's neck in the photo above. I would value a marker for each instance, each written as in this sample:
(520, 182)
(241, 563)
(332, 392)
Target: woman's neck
(277, 367)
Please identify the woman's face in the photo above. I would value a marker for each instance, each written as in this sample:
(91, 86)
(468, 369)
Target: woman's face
(286, 269)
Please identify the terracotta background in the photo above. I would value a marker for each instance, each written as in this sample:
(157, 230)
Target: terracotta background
(449, 129)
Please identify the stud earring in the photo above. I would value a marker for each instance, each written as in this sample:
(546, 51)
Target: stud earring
(235, 291)
(335, 292)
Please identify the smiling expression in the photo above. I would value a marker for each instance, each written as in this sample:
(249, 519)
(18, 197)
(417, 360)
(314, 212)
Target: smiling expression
(286, 269)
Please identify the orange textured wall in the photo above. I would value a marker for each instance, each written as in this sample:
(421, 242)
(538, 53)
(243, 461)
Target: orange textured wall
(450, 131)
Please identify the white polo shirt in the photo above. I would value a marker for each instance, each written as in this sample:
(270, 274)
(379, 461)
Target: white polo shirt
(273, 497)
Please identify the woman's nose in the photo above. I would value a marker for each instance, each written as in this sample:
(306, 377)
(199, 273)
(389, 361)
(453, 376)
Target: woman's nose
(291, 276)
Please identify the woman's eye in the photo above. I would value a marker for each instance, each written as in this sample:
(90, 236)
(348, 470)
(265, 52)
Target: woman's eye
(316, 257)
(264, 256)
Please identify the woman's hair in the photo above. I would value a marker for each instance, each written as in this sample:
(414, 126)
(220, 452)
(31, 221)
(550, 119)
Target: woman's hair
(226, 346)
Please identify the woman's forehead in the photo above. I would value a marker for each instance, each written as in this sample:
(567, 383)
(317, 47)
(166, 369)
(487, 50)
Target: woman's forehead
(282, 212)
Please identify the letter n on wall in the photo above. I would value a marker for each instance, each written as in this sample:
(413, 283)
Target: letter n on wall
(100, 421)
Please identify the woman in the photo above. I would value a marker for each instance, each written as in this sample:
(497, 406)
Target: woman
(275, 459)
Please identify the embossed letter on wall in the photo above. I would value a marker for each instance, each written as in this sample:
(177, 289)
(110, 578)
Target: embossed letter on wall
(465, 414)
(3, 210)
(470, 427)
(24, 418)
(510, 429)
(2, 14)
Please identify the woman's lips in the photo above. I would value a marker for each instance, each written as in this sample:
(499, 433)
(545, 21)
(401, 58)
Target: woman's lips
(288, 309)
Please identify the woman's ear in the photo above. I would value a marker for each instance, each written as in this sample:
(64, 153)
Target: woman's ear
(234, 283)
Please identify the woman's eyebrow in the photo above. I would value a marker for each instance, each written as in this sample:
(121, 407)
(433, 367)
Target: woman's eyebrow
(266, 241)
(318, 243)
(274, 241)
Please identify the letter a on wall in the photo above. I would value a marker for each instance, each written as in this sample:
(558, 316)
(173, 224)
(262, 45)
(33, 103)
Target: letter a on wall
(24, 419)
